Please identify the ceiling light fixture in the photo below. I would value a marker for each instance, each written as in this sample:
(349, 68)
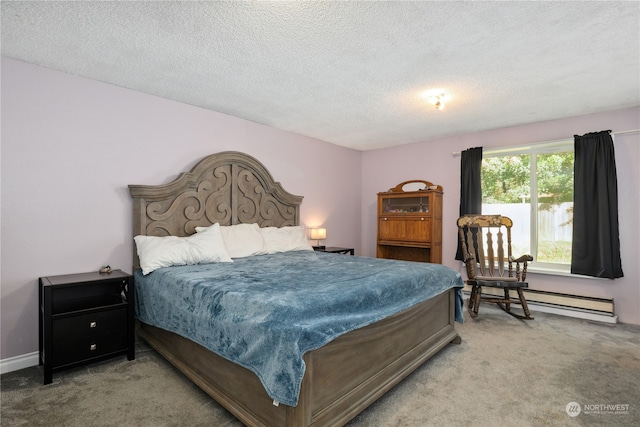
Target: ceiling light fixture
(437, 97)
(438, 101)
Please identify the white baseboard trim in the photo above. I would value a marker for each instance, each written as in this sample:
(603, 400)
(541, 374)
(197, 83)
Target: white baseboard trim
(19, 362)
(573, 313)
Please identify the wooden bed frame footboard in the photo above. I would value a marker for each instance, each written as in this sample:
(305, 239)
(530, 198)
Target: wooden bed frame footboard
(342, 378)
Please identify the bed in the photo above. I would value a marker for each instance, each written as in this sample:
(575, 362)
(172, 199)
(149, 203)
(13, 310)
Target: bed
(343, 361)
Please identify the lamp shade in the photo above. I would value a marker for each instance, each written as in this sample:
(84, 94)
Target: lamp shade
(318, 233)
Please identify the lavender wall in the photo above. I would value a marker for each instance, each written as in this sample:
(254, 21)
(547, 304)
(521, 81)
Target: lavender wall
(70, 147)
(433, 161)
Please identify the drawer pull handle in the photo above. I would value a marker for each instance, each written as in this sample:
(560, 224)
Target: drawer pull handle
(421, 219)
(93, 347)
(93, 324)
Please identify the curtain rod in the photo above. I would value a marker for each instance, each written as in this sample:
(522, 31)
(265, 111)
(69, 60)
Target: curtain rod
(513, 147)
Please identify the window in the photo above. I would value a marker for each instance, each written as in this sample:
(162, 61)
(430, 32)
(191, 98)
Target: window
(533, 185)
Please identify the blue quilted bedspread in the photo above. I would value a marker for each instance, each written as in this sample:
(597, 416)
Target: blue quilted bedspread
(265, 312)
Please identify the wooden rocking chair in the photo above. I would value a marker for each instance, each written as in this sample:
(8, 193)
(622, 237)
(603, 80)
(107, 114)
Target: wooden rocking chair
(485, 265)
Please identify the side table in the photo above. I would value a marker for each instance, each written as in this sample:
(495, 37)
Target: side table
(84, 318)
(337, 250)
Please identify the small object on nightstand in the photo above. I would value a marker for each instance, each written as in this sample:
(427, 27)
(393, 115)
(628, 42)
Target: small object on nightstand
(319, 248)
(318, 234)
(105, 269)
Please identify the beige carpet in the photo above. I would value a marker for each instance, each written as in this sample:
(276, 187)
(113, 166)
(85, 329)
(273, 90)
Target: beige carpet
(505, 373)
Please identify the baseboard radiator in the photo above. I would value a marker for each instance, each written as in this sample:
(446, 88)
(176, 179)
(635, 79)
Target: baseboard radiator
(584, 307)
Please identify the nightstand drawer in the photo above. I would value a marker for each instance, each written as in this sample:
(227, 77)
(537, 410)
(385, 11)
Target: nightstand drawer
(89, 325)
(66, 352)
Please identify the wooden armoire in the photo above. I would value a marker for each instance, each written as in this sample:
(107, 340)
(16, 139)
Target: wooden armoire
(410, 222)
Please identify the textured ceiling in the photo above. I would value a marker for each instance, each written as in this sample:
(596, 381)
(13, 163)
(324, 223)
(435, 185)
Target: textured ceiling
(350, 73)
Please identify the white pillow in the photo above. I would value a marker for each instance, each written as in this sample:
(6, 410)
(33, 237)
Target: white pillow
(286, 239)
(157, 252)
(241, 240)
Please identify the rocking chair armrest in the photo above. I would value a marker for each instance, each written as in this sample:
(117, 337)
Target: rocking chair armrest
(521, 275)
(523, 258)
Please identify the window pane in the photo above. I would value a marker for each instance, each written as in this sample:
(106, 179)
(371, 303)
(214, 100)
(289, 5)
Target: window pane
(506, 189)
(555, 207)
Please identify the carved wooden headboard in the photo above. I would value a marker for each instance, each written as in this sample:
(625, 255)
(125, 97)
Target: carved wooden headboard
(228, 188)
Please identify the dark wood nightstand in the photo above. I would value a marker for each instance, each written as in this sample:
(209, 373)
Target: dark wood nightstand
(84, 318)
(337, 250)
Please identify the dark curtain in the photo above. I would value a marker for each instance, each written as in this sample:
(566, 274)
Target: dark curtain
(596, 239)
(470, 186)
